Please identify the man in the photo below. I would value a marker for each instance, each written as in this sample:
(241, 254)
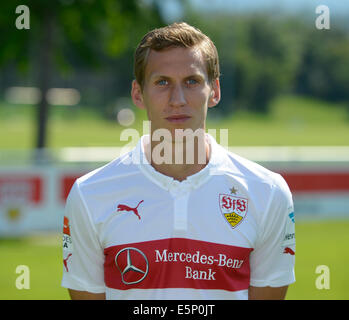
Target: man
(153, 224)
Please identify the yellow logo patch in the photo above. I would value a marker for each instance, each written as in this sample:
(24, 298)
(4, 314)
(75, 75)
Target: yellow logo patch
(233, 218)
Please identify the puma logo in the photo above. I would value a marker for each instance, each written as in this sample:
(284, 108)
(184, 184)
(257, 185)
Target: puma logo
(288, 250)
(122, 207)
(65, 261)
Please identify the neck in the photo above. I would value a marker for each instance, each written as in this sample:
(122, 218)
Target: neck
(178, 159)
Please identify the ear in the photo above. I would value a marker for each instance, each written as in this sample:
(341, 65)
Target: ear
(136, 94)
(215, 95)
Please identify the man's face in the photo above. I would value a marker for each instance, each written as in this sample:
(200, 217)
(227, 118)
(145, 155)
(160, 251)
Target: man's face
(176, 92)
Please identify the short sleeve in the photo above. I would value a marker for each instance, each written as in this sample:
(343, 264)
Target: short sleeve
(273, 258)
(83, 257)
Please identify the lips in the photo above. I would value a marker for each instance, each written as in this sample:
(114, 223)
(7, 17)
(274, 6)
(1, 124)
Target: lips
(178, 118)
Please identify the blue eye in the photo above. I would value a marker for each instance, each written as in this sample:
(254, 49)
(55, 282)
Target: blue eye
(192, 81)
(161, 82)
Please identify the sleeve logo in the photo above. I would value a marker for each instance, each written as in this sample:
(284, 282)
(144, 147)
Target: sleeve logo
(66, 227)
(289, 239)
(67, 241)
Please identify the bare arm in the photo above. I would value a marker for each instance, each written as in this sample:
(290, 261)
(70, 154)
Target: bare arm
(267, 293)
(84, 295)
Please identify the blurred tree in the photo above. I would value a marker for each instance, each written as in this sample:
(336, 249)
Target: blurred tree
(267, 56)
(324, 72)
(61, 32)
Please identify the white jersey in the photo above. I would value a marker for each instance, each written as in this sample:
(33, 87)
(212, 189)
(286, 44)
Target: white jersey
(134, 233)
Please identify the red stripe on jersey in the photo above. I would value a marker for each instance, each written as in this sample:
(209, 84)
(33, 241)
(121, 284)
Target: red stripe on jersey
(177, 263)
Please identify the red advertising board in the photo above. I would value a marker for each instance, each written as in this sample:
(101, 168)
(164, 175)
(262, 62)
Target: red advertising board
(26, 189)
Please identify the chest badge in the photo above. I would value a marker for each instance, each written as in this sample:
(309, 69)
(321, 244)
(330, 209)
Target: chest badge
(233, 209)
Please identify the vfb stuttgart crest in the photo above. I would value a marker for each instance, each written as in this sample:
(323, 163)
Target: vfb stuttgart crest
(234, 209)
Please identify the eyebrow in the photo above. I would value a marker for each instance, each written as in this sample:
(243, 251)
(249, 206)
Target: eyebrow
(196, 75)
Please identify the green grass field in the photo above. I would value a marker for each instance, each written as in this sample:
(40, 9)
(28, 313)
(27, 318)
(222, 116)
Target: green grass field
(292, 121)
(318, 243)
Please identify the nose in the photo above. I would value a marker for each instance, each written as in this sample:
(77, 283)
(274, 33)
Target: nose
(177, 96)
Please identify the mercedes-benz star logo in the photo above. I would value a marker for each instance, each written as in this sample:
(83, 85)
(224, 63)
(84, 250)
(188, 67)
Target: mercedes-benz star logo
(130, 267)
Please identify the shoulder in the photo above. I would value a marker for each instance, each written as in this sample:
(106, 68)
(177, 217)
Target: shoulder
(247, 169)
(119, 168)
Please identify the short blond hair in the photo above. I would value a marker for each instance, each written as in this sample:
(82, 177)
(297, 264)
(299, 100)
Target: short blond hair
(176, 35)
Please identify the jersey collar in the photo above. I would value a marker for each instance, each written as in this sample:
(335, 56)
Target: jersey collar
(170, 184)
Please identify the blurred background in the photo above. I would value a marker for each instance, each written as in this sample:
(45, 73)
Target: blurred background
(66, 68)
